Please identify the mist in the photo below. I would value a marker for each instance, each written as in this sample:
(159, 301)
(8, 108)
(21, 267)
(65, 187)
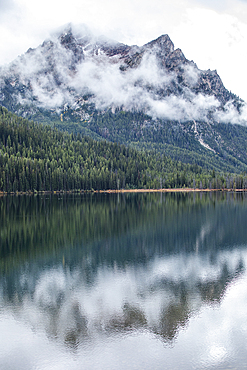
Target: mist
(53, 76)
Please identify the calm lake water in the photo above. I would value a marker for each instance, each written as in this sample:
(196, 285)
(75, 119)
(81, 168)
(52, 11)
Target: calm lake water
(134, 281)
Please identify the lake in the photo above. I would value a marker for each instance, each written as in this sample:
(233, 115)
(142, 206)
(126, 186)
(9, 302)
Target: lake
(123, 281)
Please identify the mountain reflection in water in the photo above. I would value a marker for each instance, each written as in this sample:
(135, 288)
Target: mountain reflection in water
(85, 269)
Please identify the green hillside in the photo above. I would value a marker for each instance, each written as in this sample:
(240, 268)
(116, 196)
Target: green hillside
(172, 138)
(34, 157)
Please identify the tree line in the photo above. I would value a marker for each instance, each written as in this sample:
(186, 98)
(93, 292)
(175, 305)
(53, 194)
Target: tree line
(34, 157)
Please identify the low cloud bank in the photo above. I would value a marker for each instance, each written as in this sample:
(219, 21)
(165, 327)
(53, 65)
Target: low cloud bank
(231, 114)
(52, 77)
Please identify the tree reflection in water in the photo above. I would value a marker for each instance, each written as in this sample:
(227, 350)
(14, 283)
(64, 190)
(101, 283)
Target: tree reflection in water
(80, 268)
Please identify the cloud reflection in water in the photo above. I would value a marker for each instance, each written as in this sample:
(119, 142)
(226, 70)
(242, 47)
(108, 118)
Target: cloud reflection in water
(185, 309)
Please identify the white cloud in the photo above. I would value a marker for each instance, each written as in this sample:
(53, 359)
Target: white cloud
(60, 304)
(216, 41)
(232, 115)
(191, 74)
(213, 34)
(134, 89)
(5, 5)
(178, 108)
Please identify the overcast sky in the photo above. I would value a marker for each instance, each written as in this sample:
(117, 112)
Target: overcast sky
(213, 33)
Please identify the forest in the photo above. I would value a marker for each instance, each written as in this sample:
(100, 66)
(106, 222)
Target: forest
(172, 138)
(36, 157)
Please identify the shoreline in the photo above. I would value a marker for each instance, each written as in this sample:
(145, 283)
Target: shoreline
(175, 190)
(121, 191)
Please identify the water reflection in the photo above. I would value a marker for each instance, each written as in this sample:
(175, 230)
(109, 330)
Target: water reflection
(83, 271)
(160, 297)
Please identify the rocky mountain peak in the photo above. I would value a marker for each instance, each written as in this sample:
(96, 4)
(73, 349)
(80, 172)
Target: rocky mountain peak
(163, 49)
(154, 78)
(69, 42)
(163, 44)
(67, 38)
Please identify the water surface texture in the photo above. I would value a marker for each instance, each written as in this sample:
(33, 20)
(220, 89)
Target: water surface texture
(133, 281)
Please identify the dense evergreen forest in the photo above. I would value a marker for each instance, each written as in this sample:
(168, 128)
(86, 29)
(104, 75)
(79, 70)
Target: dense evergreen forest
(138, 130)
(34, 157)
(172, 138)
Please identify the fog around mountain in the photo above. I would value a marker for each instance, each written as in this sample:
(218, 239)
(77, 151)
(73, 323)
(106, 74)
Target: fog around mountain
(154, 78)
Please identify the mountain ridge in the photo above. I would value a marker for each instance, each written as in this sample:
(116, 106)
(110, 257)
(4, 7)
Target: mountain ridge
(143, 96)
(178, 76)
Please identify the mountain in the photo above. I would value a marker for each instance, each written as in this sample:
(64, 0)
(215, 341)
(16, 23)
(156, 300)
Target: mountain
(154, 78)
(147, 96)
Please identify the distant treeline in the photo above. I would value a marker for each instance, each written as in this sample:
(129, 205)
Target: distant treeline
(39, 158)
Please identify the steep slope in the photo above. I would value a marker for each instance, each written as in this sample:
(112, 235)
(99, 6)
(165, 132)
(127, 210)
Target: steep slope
(148, 96)
(38, 158)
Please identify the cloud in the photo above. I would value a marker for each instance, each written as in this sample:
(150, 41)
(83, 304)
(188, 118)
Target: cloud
(216, 41)
(49, 73)
(213, 33)
(192, 74)
(178, 108)
(112, 87)
(230, 114)
(67, 293)
(6, 5)
(219, 5)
